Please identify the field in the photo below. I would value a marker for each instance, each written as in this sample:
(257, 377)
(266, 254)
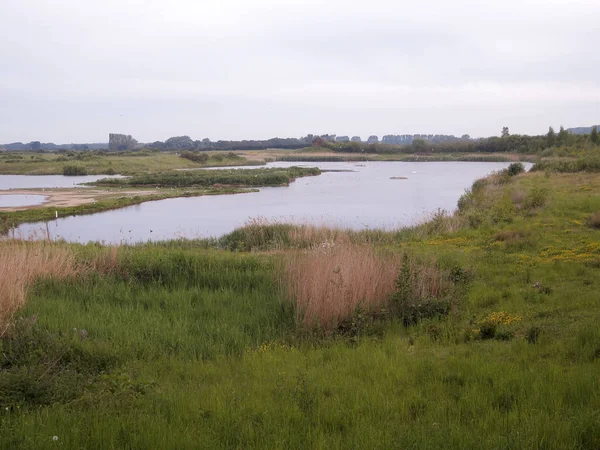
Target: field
(144, 162)
(100, 163)
(478, 330)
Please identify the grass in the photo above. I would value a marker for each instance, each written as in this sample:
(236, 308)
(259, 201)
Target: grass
(184, 345)
(207, 178)
(109, 163)
(21, 264)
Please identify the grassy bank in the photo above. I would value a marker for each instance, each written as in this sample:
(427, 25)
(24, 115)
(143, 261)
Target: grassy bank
(326, 155)
(471, 331)
(233, 177)
(102, 162)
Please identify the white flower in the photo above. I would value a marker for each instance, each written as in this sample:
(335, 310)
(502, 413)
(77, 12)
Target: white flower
(55, 438)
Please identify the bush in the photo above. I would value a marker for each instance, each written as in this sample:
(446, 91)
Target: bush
(536, 198)
(73, 170)
(194, 156)
(533, 334)
(515, 169)
(422, 292)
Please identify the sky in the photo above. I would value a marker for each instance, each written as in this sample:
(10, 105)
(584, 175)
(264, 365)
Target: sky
(75, 71)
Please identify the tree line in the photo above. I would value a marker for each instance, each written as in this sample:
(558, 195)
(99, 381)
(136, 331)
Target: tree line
(407, 143)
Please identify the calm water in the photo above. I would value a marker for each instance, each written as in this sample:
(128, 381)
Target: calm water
(44, 181)
(20, 200)
(366, 197)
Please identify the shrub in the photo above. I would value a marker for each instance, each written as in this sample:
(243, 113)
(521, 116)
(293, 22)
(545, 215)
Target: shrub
(194, 156)
(536, 198)
(533, 334)
(515, 169)
(73, 170)
(423, 291)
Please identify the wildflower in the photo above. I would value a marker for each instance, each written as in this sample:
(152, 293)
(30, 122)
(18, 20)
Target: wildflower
(55, 438)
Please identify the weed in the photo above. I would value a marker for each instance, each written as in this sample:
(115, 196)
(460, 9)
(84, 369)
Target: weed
(533, 334)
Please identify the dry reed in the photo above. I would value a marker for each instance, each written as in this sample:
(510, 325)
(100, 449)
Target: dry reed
(329, 284)
(23, 262)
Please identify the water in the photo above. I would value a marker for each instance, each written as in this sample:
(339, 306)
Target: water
(8, 201)
(45, 181)
(365, 197)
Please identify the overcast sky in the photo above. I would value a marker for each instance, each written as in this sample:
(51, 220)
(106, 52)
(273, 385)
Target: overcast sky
(73, 70)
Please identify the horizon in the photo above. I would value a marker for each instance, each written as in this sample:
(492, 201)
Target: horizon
(363, 137)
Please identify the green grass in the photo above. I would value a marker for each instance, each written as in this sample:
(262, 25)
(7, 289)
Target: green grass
(191, 347)
(232, 177)
(97, 162)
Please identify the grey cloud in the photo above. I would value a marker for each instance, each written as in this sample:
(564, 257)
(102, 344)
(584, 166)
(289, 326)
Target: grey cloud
(236, 69)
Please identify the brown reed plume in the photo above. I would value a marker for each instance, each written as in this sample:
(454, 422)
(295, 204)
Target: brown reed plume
(327, 285)
(23, 262)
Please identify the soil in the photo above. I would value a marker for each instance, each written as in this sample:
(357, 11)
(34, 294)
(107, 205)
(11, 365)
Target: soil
(71, 197)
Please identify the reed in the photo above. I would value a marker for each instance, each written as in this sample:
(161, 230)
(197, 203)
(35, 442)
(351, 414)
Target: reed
(327, 285)
(24, 262)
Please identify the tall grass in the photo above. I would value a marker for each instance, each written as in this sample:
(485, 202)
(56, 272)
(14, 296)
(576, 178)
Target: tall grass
(21, 264)
(328, 285)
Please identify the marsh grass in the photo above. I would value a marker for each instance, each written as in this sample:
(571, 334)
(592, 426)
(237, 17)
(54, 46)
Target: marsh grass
(22, 263)
(190, 346)
(327, 285)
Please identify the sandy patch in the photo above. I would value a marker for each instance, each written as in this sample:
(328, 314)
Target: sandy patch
(72, 197)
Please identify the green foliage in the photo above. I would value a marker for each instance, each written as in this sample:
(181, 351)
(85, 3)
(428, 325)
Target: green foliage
(72, 170)
(594, 137)
(187, 347)
(195, 156)
(203, 178)
(515, 169)
(410, 303)
(419, 145)
(586, 164)
(533, 334)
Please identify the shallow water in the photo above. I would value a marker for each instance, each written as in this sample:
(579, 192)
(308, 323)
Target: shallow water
(364, 197)
(8, 201)
(45, 181)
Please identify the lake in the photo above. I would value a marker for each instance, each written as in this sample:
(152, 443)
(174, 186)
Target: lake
(363, 197)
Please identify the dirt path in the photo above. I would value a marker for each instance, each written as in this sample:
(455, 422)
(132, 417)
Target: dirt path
(71, 197)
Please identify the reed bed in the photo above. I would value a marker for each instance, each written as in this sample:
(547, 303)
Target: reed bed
(328, 285)
(21, 264)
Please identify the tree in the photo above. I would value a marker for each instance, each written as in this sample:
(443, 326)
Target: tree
(505, 132)
(318, 142)
(551, 137)
(563, 135)
(373, 139)
(355, 139)
(179, 143)
(419, 145)
(594, 136)
(465, 136)
(35, 145)
(121, 142)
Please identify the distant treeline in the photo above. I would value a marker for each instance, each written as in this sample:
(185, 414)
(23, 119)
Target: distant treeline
(507, 143)
(37, 146)
(402, 143)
